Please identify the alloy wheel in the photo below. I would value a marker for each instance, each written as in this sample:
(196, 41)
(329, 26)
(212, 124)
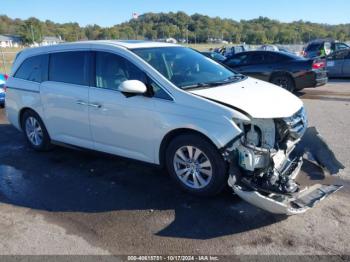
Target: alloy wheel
(192, 167)
(34, 131)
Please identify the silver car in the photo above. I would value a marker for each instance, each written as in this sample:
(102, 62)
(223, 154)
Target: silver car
(338, 63)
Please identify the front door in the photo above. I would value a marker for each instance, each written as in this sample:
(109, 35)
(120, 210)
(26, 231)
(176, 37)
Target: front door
(120, 124)
(335, 63)
(346, 65)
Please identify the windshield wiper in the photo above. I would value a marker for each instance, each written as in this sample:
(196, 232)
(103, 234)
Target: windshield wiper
(234, 78)
(228, 80)
(197, 85)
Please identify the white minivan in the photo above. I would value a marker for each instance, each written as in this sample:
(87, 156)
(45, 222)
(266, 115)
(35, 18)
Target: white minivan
(168, 105)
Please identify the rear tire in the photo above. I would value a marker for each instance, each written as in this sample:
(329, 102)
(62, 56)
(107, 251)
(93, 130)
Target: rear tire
(284, 81)
(196, 165)
(35, 132)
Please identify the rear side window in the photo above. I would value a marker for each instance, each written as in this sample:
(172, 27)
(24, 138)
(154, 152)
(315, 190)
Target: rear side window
(241, 59)
(69, 67)
(33, 69)
(256, 58)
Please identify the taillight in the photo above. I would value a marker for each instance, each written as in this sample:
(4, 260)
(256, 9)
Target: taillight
(5, 87)
(318, 64)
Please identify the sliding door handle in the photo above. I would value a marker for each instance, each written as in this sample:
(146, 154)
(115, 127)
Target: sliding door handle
(80, 102)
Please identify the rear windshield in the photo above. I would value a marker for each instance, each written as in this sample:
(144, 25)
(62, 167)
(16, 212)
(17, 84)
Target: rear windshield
(313, 47)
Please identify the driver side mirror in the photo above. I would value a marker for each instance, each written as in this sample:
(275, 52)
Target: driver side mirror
(132, 87)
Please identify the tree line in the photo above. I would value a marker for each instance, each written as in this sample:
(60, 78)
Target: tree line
(196, 28)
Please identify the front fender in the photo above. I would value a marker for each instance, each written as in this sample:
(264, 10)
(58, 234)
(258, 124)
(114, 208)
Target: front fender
(219, 133)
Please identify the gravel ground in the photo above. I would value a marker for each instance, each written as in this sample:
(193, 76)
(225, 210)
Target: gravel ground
(77, 202)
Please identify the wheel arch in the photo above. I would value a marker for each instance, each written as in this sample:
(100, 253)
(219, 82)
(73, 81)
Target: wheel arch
(277, 73)
(21, 113)
(175, 133)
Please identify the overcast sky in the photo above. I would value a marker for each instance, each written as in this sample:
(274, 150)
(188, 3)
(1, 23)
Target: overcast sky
(110, 12)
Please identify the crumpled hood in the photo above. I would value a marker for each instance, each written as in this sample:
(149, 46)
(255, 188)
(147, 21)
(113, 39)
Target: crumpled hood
(258, 98)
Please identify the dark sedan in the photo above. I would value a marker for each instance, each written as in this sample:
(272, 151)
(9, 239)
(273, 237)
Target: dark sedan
(283, 69)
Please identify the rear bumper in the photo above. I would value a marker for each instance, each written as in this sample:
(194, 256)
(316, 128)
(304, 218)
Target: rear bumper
(311, 79)
(321, 80)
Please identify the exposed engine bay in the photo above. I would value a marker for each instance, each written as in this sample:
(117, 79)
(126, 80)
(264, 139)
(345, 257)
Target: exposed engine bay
(263, 166)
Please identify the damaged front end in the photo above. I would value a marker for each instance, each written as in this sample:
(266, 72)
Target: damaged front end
(263, 167)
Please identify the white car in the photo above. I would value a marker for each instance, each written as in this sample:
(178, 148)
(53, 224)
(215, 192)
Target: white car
(167, 105)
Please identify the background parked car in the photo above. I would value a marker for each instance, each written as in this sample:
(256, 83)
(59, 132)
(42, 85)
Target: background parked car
(2, 89)
(283, 69)
(274, 48)
(268, 48)
(215, 56)
(323, 48)
(338, 63)
(232, 50)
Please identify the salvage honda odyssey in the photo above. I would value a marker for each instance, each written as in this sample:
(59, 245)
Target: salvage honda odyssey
(168, 105)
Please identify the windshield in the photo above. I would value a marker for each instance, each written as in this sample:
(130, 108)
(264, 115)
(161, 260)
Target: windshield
(186, 68)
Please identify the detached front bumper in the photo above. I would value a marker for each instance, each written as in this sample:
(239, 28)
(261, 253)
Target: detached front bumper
(288, 204)
(252, 169)
(279, 204)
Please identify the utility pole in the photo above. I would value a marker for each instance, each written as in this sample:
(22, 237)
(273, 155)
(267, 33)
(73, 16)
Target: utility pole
(31, 30)
(3, 60)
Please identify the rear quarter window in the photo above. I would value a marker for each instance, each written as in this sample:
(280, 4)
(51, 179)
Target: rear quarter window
(33, 69)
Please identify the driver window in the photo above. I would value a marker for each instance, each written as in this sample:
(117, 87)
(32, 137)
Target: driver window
(340, 46)
(112, 70)
(338, 55)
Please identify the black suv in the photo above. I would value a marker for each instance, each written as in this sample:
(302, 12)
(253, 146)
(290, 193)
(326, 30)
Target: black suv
(322, 47)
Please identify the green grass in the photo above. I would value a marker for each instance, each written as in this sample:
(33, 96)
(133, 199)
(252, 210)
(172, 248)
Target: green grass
(203, 47)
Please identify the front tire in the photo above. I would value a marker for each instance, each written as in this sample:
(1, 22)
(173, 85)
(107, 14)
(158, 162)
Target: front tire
(35, 132)
(196, 165)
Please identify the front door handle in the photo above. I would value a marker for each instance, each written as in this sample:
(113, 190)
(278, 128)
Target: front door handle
(95, 105)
